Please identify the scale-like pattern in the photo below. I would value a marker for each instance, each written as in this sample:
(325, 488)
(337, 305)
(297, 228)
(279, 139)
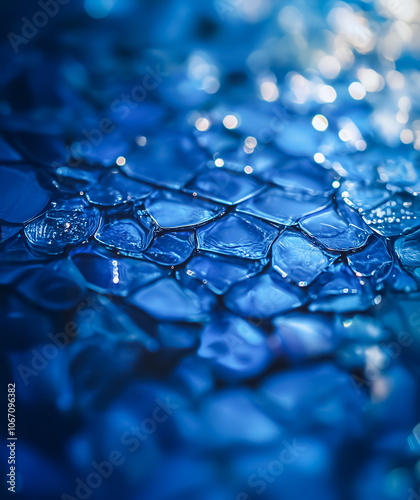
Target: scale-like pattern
(210, 250)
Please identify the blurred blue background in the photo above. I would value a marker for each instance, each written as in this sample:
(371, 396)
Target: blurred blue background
(168, 339)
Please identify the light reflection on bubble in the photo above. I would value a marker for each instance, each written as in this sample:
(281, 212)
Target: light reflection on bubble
(291, 19)
(395, 80)
(320, 123)
(404, 104)
(211, 84)
(329, 67)
(251, 142)
(357, 91)
(202, 124)
(230, 121)
(350, 134)
(370, 79)
(319, 158)
(326, 93)
(141, 141)
(402, 117)
(203, 72)
(406, 136)
(360, 145)
(301, 87)
(269, 91)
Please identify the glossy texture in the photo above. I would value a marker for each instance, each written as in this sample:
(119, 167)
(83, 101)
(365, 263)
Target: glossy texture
(167, 300)
(220, 272)
(108, 273)
(176, 210)
(223, 186)
(276, 205)
(63, 225)
(336, 230)
(264, 296)
(115, 189)
(239, 235)
(256, 340)
(295, 257)
(126, 236)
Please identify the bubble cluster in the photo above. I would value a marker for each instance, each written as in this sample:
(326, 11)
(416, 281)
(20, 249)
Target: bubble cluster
(209, 238)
